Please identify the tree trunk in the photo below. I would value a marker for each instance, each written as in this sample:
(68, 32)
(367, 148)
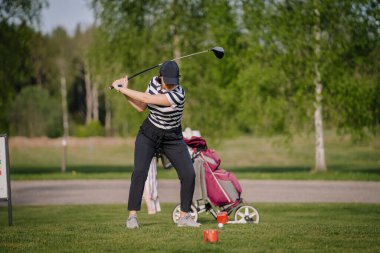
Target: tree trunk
(176, 37)
(176, 44)
(320, 162)
(95, 102)
(108, 118)
(89, 95)
(65, 119)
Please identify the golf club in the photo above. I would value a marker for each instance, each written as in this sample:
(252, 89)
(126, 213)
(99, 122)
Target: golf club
(218, 52)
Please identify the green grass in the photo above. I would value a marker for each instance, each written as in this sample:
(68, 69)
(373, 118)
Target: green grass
(247, 157)
(282, 228)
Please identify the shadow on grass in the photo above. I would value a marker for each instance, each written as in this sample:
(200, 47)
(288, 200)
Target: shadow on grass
(85, 169)
(271, 169)
(303, 169)
(96, 169)
(356, 169)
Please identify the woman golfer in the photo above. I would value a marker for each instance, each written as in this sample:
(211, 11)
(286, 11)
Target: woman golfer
(160, 132)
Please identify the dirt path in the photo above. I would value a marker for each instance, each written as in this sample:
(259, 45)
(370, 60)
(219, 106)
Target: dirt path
(61, 192)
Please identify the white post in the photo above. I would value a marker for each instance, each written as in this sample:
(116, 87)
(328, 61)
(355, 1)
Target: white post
(5, 181)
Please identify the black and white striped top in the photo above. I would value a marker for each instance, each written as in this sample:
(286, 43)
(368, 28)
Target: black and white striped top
(166, 117)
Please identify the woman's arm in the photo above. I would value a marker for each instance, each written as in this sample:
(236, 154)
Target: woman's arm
(139, 106)
(137, 99)
(145, 98)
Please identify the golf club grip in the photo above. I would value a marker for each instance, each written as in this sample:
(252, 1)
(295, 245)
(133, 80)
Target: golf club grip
(139, 73)
(120, 85)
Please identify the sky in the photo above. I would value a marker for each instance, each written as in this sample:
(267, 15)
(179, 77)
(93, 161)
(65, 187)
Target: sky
(66, 13)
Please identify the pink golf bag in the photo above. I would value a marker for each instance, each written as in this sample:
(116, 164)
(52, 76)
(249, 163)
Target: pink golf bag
(216, 190)
(223, 189)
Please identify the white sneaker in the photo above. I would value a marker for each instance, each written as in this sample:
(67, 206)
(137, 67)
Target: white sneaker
(187, 221)
(132, 222)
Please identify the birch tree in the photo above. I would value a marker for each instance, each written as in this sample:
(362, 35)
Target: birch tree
(84, 40)
(320, 162)
(64, 49)
(65, 120)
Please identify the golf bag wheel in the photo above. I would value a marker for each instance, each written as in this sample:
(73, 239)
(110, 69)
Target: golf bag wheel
(177, 211)
(247, 214)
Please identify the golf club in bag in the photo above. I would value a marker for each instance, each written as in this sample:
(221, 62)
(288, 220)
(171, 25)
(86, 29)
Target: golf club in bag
(218, 52)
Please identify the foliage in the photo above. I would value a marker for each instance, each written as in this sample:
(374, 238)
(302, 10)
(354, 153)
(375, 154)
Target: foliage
(16, 67)
(351, 74)
(35, 113)
(263, 85)
(94, 128)
(21, 11)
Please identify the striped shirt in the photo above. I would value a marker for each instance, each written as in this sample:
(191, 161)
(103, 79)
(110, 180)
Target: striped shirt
(166, 117)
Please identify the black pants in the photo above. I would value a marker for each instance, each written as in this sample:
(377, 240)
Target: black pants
(150, 140)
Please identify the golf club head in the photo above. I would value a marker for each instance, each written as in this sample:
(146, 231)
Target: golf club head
(218, 51)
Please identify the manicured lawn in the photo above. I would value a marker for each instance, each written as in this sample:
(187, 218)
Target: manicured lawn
(283, 228)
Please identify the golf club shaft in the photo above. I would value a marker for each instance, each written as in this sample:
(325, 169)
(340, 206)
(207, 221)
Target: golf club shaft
(139, 73)
(188, 55)
(145, 70)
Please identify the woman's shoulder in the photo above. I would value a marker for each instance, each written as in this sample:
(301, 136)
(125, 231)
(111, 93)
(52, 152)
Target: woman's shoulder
(178, 93)
(179, 89)
(154, 82)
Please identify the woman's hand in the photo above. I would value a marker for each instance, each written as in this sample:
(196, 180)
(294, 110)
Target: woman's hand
(120, 83)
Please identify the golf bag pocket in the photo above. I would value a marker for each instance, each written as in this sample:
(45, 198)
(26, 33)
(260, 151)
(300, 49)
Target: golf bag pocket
(211, 158)
(222, 187)
(230, 183)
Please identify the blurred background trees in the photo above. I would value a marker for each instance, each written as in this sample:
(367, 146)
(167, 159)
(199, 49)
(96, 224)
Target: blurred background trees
(265, 85)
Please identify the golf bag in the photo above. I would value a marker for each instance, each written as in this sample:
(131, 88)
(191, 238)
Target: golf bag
(222, 186)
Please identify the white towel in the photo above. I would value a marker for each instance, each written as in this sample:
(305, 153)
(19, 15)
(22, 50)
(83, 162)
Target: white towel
(150, 190)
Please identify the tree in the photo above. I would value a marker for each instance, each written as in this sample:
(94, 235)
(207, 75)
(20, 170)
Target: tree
(83, 42)
(63, 55)
(278, 56)
(320, 161)
(16, 71)
(144, 33)
(15, 68)
(351, 80)
(297, 44)
(21, 12)
(35, 113)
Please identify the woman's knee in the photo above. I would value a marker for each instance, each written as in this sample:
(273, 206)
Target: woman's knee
(188, 174)
(192, 173)
(140, 174)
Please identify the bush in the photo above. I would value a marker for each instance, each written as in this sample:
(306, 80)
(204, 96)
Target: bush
(35, 113)
(94, 128)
